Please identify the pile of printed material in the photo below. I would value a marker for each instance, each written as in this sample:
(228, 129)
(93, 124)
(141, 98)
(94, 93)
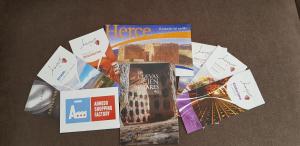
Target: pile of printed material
(141, 78)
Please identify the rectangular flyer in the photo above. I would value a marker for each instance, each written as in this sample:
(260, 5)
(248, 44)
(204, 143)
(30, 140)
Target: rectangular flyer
(42, 100)
(89, 109)
(94, 48)
(65, 71)
(212, 103)
(153, 43)
(147, 104)
(201, 53)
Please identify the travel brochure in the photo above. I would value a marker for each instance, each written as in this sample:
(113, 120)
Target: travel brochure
(153, 43)
(142, 79)
(148, 104)
(212, 103)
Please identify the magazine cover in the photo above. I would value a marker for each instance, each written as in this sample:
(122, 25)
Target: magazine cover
(153, 43)
(65, 71)
(94, 48)
(147, 104)
(89, 109)
(201, 52)
(211, 104)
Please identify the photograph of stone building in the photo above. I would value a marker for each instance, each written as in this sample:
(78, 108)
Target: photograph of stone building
(156, 52)
(148, 106)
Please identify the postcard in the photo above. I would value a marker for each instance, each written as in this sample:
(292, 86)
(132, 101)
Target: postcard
(147, 104)
(220, 64)
(65, 71)
(94, 48)
(89, 109)
(213, 103)
(153, 43)
(42, 100)
(201, 52)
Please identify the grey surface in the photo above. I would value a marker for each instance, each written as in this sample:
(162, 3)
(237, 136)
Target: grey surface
(263, 34)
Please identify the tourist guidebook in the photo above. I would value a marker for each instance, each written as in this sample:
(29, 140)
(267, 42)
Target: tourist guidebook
(147, 104)
(65, 71)
(212, 103)
(94, 48)
(89, 109)
(153, 43)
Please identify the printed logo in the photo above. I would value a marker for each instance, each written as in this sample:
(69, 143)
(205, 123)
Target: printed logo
(78, 110)
(103, 108)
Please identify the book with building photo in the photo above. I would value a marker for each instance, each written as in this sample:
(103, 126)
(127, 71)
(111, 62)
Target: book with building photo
(153, 43)
(147, 104)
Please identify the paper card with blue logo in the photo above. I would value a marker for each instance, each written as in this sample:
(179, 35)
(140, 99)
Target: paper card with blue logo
(65, 71)
(89, 109)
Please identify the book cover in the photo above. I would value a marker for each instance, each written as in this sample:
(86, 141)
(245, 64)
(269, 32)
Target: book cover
(147, 104)
(94, 48)
(153, 43)
(213, 103)
(65, 71)
(89, 109)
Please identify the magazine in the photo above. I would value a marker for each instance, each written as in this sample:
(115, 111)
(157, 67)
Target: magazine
(153, 43)
(147, 104)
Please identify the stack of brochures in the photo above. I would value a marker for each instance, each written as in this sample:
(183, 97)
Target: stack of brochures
(142, 79)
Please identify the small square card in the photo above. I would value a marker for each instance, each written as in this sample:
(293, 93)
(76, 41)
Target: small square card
(89, 109)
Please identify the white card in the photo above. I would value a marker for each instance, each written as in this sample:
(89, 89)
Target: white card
(91, 47)
(219, 65)
(201, 53)
(65, 71)
(243, 91)
(89, 109)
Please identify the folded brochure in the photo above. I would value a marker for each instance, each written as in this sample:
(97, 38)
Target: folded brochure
(210, 104)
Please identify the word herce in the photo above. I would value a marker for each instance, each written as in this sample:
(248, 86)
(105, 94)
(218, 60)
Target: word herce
(78, 114)
(130, 31)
